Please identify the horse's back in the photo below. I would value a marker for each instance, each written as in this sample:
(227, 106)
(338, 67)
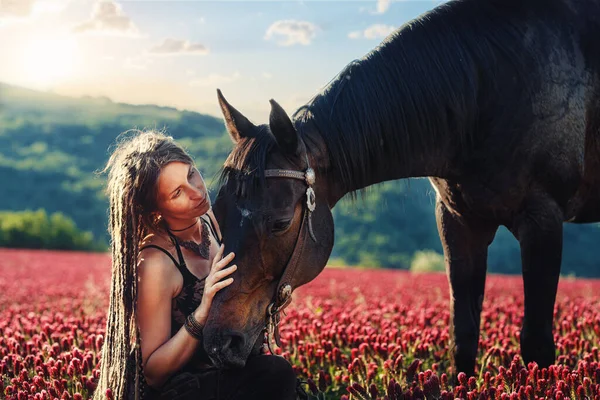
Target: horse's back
(542, 128)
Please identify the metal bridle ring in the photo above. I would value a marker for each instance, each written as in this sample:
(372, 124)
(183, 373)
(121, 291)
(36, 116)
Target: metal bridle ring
(285, 292)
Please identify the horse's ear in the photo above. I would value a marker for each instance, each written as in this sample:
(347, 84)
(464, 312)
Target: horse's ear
(237, 125)
(283, 129)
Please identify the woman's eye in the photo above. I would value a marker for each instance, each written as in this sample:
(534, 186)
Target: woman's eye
(177, 193)
(281, 225)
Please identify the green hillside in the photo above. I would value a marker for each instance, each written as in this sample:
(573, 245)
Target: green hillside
(50, 147)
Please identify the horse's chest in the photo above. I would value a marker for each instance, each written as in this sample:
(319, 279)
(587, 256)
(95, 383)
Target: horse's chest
(473, 199)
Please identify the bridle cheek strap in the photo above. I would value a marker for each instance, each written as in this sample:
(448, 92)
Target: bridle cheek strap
(284, 289)
(283, 293)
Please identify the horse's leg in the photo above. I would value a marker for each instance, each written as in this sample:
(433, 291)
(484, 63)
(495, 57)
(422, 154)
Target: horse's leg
(465, 246)
(539, 229)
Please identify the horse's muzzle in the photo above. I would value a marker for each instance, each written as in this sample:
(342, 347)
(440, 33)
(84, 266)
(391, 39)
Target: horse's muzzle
(228, 349)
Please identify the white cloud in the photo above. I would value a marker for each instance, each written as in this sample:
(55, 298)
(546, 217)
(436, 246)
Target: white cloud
(177, 47)
(383, 6)
(292, 32)
(267, 75)
(216, 79)
(377, 31)
(16, 11)
(108, 18)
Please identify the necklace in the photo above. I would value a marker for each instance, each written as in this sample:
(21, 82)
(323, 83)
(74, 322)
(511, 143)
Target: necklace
(181, 230)
(201, 249)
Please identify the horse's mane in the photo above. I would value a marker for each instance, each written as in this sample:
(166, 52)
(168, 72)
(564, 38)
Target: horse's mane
(422, 83)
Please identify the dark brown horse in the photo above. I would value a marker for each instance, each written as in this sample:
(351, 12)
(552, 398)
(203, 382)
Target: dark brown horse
(497, 101)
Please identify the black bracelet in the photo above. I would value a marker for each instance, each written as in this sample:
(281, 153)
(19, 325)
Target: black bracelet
(193, 326)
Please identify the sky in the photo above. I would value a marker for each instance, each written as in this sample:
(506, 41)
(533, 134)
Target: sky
(177, 53)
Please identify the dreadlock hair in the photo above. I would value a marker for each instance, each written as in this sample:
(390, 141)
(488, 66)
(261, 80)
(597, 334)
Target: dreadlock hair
(133, 170)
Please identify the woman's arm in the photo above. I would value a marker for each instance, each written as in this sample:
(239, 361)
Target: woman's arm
(159, 281)
(162, 355)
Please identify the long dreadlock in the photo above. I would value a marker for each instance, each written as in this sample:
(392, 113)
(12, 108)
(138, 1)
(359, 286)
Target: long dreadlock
(133, 170)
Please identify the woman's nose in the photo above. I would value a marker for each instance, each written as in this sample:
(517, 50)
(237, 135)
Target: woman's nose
(198, 194)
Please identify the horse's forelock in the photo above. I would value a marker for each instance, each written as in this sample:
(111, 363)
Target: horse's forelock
(246, 163)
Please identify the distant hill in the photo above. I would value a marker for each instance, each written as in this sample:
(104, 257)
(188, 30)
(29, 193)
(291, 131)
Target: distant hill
(50, 146)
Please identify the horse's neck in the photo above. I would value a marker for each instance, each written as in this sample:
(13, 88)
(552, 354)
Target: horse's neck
(394, 163)
(377, 134)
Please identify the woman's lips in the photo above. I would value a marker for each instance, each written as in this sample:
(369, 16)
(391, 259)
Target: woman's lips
(202, 203)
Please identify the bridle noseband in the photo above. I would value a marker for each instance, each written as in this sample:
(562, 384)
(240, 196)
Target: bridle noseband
(283, 294)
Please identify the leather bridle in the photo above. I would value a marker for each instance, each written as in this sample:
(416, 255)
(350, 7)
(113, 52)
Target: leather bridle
(283, 293)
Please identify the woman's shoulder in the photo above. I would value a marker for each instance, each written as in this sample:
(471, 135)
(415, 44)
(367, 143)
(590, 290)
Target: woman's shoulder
(154, 239)
(156, 260)
(156, 247)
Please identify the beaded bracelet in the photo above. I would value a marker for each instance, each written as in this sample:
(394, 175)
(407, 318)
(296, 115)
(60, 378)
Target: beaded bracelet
(193, 326)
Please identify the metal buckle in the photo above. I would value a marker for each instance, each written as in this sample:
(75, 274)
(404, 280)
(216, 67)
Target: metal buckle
(285, 292)
(310, 176)
(311, 201)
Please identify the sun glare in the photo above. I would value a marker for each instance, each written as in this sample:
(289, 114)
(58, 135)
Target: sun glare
(49, 60)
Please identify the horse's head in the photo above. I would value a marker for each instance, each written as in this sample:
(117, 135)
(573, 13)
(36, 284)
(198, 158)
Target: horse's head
(273, 213)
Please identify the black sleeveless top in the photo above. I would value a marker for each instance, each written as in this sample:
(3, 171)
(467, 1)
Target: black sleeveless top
(191, 293)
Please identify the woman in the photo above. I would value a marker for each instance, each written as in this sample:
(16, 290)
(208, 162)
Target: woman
(167, 265)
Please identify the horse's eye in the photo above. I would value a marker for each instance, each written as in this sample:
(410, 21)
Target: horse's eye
(281, 226)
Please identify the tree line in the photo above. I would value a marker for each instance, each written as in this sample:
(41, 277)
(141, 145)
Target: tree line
(38, 230)
(52, 148)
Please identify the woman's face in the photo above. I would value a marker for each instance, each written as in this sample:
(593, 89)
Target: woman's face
(181, 192)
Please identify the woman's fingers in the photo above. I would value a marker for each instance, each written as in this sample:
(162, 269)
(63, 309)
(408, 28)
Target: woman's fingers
(214, 281)
(219, 253)
(218, 286)
(224, 272)
(221, 284)
(223, 262)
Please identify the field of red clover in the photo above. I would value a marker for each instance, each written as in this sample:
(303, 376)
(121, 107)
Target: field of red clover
(351, 334)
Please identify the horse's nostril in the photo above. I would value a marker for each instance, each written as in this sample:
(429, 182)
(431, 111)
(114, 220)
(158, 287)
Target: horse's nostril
(235, 342)
(228, 349)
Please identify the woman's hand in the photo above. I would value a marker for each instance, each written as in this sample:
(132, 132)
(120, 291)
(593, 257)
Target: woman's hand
(214, 282)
